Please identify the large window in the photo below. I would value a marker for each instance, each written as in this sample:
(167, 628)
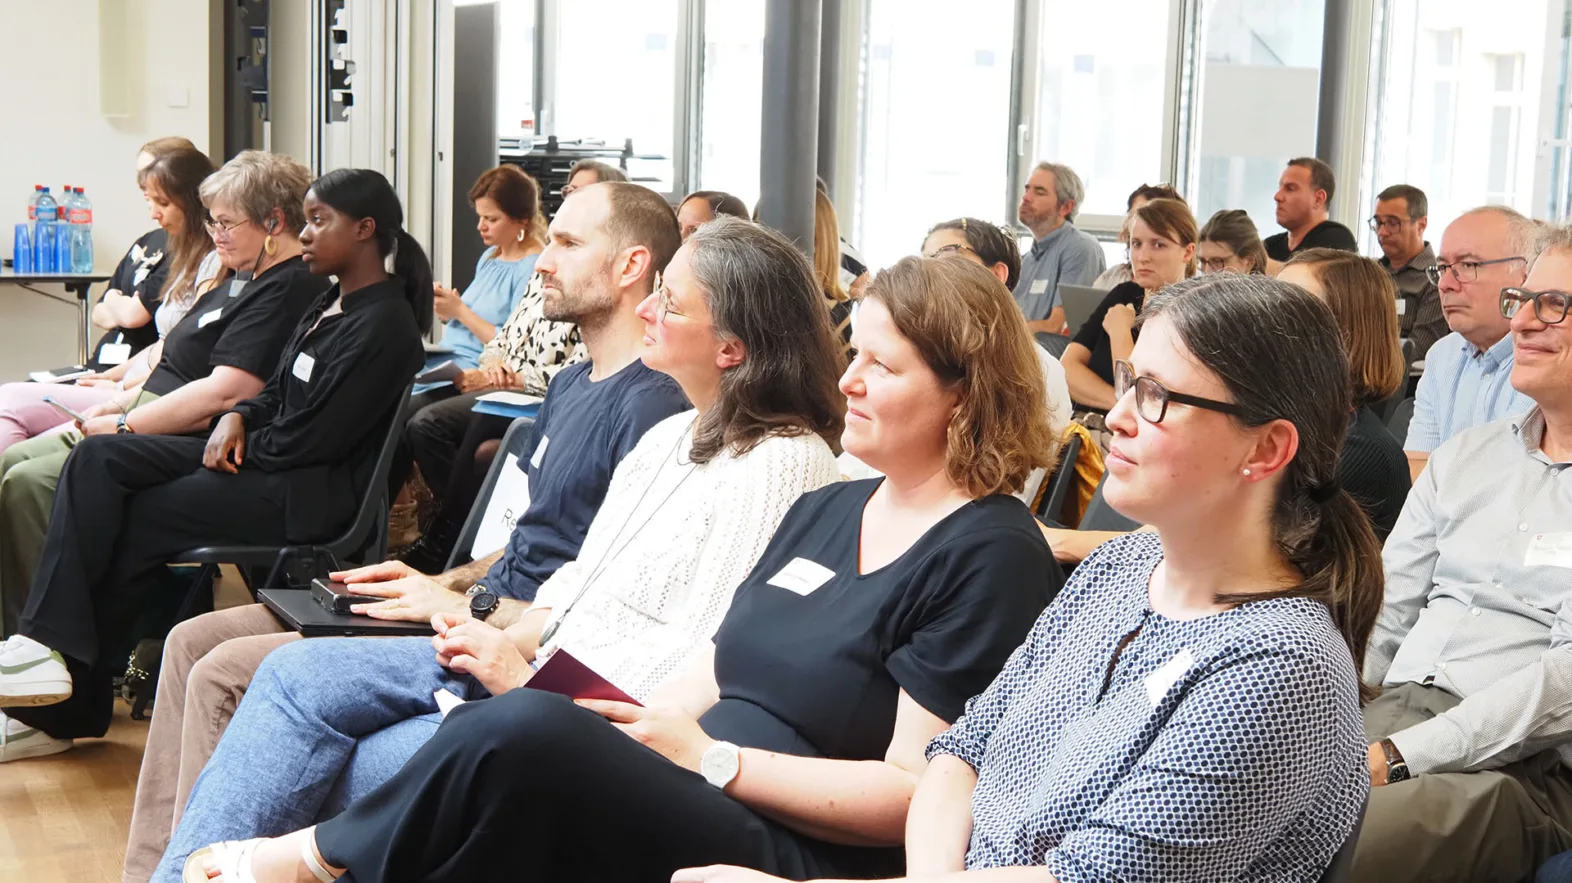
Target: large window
(935, 120)
(1259, 100)
(733, 90)
(516, 69)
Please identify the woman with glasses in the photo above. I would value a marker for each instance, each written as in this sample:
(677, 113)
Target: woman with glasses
(1188, 708)
(793, 739)
(1229, 243)
(1162, 252)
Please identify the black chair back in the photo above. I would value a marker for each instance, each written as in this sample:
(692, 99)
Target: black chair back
(1342, 865)
(1402, 415)
(1055, 344)
(1101, 516)
(514, 441)
(1061, 481)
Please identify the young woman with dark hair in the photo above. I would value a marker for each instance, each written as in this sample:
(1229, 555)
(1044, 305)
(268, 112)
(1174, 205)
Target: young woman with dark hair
(287, 466)
(702, 206)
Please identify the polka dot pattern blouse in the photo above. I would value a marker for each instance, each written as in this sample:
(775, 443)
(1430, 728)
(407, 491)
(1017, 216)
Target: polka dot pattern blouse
(1223, 748)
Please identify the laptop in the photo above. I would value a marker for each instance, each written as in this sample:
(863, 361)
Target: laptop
(304, 614)
(1079, 302)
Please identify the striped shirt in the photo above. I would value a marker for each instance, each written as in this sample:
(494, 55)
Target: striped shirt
(1463, 387)
(1067, 256)
(1478, 572)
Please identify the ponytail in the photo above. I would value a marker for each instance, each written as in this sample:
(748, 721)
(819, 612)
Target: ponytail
(411, 265)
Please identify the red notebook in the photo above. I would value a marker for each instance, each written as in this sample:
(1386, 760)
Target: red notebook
(571, 678)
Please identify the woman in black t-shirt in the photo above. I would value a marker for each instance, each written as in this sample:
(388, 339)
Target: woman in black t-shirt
(878, 608)
(1162, 252)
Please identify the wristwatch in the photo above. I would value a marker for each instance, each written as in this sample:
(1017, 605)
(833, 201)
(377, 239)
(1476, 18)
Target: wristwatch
(1396, 767)
(122, 427)
(720, 764)
(482, 601)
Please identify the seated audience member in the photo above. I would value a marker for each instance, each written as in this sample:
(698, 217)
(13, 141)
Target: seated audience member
(1470, 739)
(591, 171)
(1121, 273)
(1188, 707)
(1162, 251)
(995, 249)
(1370, 464)
(907, 593)
(1229, 243)
(593, 415)
(1468, 373)
(1401, 214)
(1303, 194)
(688, 514)
(702, 206)
(169, 183)
(132, 297)
(288, 465)
(220, 353)
(1061, 254)
(827, 267)
(854, 267)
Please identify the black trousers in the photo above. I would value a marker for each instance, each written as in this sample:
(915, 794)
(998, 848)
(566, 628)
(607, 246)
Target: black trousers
(528, 786)
(126, 505)
(419, 404)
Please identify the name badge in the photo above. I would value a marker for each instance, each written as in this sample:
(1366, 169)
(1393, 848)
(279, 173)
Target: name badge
(1038, 286)
(1549, 550)
(1402, 307)
(540, 453)
(303, 366)
(1159, 682)
(236, 286)
(114, 353)
(802, 576)
(209, 318)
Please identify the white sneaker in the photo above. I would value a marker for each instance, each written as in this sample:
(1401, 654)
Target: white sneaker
(31, 674)
(18, 740)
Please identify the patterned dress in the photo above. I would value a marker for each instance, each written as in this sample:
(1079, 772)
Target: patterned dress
(1228, 747)
(532, 346)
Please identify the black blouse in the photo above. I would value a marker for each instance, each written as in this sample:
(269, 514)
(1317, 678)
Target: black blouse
(322, 417)
(1374, 470)
(1094, 338)
(140, 274)
(812, 655)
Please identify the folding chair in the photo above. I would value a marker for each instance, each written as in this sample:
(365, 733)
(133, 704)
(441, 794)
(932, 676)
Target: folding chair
(1101, 516)
(514, 441)
(1052, 504)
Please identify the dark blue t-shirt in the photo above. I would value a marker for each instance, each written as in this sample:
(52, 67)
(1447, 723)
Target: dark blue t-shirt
(582, 432)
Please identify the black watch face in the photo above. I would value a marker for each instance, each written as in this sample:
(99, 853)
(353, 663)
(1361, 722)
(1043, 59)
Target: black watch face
(1397, 773)
(481, 604)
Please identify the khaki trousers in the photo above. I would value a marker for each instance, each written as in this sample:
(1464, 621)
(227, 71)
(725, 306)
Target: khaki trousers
(1495, 825)
(208, 663)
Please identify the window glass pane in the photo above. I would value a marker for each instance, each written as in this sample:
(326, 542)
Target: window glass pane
(1100, 95)
(936, 119)
(616, 79)
(733, 98)
(1459, 116)
(516, 68)
(1261, 94)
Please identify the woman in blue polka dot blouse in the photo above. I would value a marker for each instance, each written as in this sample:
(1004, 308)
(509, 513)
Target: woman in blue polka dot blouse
(1188, 708)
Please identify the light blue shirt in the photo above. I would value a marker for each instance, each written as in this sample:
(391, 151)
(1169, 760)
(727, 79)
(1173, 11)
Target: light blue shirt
(1463, 387)
(1067, 256)
(494, 293)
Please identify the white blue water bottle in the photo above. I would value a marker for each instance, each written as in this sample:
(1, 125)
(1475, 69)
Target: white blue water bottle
(32, 207)
(81, 238)
(47, 216)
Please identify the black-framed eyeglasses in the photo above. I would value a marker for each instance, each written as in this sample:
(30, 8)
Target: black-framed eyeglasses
(1213, 265)
(1466, 271)
(1391, 222)
(952, 248)
(1152, 398)
(1550, 307)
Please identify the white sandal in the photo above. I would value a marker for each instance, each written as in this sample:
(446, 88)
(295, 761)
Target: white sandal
(233, 860)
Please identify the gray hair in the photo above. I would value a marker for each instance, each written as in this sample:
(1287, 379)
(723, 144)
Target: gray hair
(1418, 203)
(1523, 233)
(603, 172)
(1555, 237)
(257, 183)
(1067, 185)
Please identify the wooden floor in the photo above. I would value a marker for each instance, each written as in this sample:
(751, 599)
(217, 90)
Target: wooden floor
(64, 819)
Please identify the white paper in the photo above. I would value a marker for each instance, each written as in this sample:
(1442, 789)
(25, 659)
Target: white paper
(114, 353)
(209, 318)
(446, 701)
(802, 576)
(303, 366)
(516, 399)
(1549, 550)
(59, 375)
(509, 499)
(540, 453)
(447, 371)
(1159, 682)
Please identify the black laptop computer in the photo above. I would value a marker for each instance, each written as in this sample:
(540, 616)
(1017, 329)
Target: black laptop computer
(304, 614)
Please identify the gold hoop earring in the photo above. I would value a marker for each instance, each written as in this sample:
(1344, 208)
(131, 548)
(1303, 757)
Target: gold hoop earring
(269, 246)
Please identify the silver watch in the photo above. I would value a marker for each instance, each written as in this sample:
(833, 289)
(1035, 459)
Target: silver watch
(720, 764)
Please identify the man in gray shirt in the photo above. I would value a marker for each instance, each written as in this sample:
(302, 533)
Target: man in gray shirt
(1062, 254)
(1471, 740)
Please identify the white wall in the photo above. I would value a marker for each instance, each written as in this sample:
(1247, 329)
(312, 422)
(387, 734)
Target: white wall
(55, 133)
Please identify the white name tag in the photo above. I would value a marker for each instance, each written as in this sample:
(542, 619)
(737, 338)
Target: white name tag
(303, 366)
(509, 499)
(1039, 286)
(1159, 682)
(209, 318)
(1402, 307)
(1549, 550)
(540, 453)
(802, 576)
(114, 353)
(236, 287)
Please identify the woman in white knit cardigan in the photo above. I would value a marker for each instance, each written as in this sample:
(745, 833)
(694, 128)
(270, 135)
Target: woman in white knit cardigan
(688, 512)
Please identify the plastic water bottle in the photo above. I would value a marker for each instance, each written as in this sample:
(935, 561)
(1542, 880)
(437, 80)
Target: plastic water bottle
(32, 205)
(45, 208)
(81, 238)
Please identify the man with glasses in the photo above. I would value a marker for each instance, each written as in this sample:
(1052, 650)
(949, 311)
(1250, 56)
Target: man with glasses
(1401, 215)
(1471, 739)
(1467, 373)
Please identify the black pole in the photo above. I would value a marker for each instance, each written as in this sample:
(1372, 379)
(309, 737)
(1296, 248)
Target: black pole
(789, 147)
